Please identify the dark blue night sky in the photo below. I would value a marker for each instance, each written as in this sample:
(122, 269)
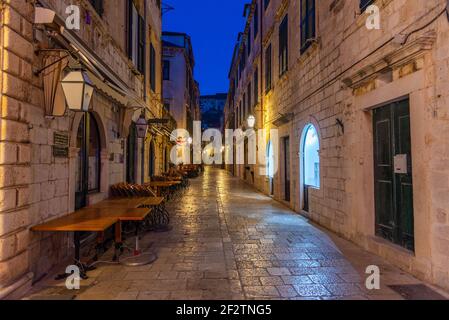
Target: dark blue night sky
(213, 26)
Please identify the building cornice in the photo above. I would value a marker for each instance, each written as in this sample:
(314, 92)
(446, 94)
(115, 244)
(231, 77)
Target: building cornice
(392, 60)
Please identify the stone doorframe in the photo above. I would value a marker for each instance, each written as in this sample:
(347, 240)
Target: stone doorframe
(104, 160)
(363, 211)
(318, 193)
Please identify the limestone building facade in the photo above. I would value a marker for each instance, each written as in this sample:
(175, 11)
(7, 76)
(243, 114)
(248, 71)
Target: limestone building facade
(54, 160)
(181, 91)
(362, 120)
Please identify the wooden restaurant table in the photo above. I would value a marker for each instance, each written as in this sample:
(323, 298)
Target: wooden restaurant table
(160, 185)
(92, 220)
(138, 202)
(159, 215)
(153, 201)
(121, 202)
(132, 210)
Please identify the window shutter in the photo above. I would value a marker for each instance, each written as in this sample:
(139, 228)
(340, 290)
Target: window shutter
(256, 87)
(283, 46)
(152, 68)
(129, 33)
(141, 53)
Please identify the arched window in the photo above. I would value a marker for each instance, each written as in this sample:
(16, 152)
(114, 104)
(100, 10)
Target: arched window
(270, 167)
(311, 154)
(270, 160)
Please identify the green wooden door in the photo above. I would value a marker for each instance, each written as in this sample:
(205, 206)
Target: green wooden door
(393, 174)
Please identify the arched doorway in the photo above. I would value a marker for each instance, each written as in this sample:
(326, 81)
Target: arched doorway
(270, 167)
(87, 175)
(131, 155)
(310, 161)
(152, 160)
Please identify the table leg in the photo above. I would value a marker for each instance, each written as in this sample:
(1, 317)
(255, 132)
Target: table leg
(118, 242)
(83, 268)
(99, 247)
(137, 249)
(77, 262)
(138, 258)
(161, 219)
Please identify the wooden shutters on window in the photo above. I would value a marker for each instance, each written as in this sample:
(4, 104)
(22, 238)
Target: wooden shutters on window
(135, 36)
(141, 45)
(268, 69)
(307, 23)
(152, 68)
(256, 87)
(249, 106)
(283, 46)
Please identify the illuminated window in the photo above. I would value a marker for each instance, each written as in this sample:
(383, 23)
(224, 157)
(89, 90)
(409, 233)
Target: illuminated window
(311, 157)
(270, 160)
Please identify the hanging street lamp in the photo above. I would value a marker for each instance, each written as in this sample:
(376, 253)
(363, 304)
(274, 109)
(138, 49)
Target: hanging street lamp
(251, 121)
(78, 90)
(142, 127)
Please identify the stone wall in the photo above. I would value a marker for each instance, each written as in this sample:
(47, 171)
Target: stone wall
(325, 83)
(34, 185)
(20, 93)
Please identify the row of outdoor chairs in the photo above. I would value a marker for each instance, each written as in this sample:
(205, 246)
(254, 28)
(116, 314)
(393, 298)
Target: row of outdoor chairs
(127, 190)
(191, 170)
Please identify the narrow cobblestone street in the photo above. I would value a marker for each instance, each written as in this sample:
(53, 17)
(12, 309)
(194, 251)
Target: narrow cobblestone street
(231, 242)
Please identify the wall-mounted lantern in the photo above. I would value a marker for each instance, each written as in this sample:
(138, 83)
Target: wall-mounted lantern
(251, 121)
(78, 90)
(142, 127)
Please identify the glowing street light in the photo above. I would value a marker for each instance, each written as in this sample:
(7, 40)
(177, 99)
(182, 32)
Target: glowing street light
(142, 127)
(251, 121)
(78, 90)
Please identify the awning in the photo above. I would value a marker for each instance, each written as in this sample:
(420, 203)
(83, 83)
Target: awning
(104, 78)
(108, 90)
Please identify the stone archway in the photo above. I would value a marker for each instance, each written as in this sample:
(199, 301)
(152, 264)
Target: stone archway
(74, 156)
(309, 162)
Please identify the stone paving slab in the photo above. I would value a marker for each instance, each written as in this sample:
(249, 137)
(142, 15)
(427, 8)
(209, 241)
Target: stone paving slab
(231, 242)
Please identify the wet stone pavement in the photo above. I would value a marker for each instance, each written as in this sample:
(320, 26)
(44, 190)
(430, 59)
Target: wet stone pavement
(231, 242)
